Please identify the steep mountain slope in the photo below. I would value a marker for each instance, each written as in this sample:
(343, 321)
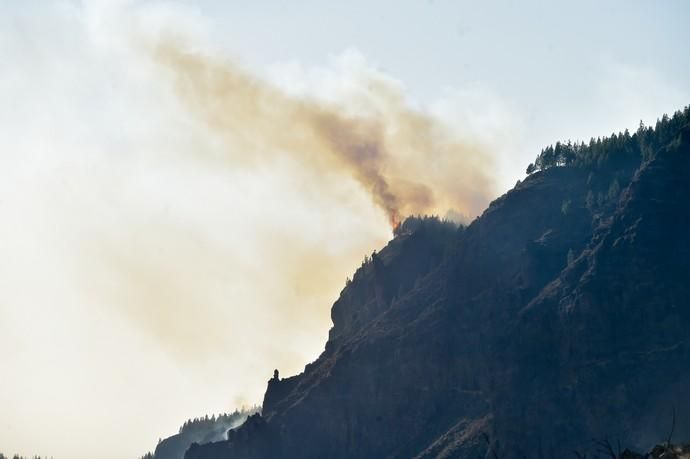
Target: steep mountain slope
(545, 323)
(617, 356)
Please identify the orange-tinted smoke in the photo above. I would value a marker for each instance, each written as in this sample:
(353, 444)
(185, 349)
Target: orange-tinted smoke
(409, 162)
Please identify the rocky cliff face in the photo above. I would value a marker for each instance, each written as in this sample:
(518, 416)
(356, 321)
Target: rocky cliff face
(545, 323)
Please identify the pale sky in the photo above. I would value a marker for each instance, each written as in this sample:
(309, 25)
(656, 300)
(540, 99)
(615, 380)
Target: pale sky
(164, 249)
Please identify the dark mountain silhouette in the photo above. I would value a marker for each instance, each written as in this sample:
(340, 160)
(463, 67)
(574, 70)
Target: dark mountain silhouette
(560, 315)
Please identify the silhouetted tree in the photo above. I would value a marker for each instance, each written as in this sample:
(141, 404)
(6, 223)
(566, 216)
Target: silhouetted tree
(616, 151)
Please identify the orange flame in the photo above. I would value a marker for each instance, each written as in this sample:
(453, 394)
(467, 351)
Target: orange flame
(395, 223)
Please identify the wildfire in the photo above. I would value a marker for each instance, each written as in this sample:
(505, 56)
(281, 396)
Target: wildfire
(395, 223)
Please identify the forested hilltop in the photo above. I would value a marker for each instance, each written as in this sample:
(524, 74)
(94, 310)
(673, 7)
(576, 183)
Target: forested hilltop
(618, 152)
(610, 162)
(199, 430)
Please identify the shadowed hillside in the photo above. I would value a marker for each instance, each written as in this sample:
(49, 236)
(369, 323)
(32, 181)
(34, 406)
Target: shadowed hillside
(558, 316)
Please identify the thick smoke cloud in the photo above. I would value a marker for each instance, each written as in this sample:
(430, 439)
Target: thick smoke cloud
(177, 227)
(409, 161)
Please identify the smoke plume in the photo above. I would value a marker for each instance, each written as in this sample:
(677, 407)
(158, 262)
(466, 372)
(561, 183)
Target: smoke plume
(179, 227)
(408, 161)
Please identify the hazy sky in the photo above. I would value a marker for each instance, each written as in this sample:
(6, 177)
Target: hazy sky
(166, 243)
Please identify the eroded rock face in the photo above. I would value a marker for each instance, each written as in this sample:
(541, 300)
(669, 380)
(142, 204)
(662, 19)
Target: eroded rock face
(537, 328)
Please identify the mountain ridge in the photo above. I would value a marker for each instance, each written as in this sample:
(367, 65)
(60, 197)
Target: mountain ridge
(511, 336)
